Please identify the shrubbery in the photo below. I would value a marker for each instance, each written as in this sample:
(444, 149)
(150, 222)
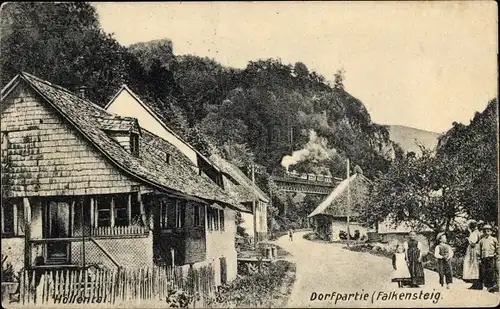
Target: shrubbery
(180, 299)
(8, 272)
(261, 289)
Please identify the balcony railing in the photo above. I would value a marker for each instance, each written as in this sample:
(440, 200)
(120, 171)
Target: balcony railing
(119, 230)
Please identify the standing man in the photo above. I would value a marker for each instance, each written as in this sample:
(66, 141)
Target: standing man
(290, 234)
(488, 253)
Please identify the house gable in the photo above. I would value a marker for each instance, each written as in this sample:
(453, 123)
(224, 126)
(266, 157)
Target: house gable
(126, 103)
(45, 155)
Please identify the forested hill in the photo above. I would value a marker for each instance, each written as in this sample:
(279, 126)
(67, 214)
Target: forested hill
(268, 110)
(258, 114)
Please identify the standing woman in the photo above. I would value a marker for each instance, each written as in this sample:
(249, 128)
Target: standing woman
(471, 259)
(413, 249)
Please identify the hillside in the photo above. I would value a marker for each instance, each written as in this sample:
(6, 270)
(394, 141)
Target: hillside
(408, 138)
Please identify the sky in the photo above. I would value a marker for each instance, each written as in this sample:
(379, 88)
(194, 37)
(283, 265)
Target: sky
(418, 64)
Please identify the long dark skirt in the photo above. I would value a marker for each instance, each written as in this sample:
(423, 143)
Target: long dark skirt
(416, 268)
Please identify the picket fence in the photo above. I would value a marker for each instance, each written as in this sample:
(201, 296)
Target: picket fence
(122, 287)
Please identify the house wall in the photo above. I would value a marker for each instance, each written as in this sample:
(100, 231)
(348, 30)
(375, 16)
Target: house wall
(261, 220)
(48, 156)
(247, 223)
(222, 244)
(261, 212)
(126, 105)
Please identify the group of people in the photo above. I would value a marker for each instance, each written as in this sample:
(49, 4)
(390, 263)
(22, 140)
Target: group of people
(480, 261)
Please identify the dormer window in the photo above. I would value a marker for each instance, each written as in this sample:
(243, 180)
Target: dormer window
(134, 144)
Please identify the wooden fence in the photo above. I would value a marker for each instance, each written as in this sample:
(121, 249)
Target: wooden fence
(122, 287)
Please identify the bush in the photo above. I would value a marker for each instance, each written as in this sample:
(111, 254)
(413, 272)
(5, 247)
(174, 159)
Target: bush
(256, 290)
(309, 236)
(8, 273)
(179, 299)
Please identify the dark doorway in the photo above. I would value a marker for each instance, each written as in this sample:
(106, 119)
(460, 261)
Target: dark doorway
(223, 270)
(57, 226)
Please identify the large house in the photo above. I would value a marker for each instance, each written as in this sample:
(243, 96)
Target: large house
(228, 176)
(83, 186)
(248, 194)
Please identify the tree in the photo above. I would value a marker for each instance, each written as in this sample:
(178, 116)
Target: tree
(63, 43)
(473, 149)
(417, 191)
(339, 77)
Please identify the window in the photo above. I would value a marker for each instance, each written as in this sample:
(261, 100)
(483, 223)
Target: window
(198, 215)
(180, 207)
(12, 218)
(134, 144)
(213, 219)
(113, 210)
(221, 219)
(209, 218)
(167, 158)
(103, 211)
(163, 214)
(216, 219)
(121, 209)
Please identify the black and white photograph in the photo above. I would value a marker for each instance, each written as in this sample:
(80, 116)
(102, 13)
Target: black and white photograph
(312, 154)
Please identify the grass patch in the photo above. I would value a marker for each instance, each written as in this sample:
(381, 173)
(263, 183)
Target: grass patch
(269, 288)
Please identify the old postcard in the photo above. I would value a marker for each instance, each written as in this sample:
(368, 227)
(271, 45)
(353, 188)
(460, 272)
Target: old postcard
(249, 154)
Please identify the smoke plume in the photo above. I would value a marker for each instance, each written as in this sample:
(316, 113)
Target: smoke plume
(315, 150)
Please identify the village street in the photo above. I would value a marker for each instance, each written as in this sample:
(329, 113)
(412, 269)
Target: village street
(327, 268)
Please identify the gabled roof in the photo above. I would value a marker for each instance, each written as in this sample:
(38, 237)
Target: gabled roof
(335, 204)
(244, 189)
(157, 116)
(87, 117)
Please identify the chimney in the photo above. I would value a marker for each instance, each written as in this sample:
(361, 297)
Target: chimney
(81, 91)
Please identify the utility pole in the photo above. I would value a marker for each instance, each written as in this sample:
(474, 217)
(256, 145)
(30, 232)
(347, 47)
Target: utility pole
(254, 209)
(348, 204)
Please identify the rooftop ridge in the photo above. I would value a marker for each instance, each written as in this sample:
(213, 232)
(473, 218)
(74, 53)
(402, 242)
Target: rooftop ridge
(38, 79)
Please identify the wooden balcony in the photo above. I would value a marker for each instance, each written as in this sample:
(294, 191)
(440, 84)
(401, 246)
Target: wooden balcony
(119, 230)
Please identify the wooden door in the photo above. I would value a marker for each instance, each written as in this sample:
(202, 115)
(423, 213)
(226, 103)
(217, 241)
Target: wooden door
(58, 226)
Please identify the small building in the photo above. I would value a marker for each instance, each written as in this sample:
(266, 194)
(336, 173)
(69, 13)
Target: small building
(246, 192)
(82, 186)
(388, 232)
(330, 217)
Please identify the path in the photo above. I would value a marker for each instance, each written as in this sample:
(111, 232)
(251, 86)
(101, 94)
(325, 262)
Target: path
(326, 268)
